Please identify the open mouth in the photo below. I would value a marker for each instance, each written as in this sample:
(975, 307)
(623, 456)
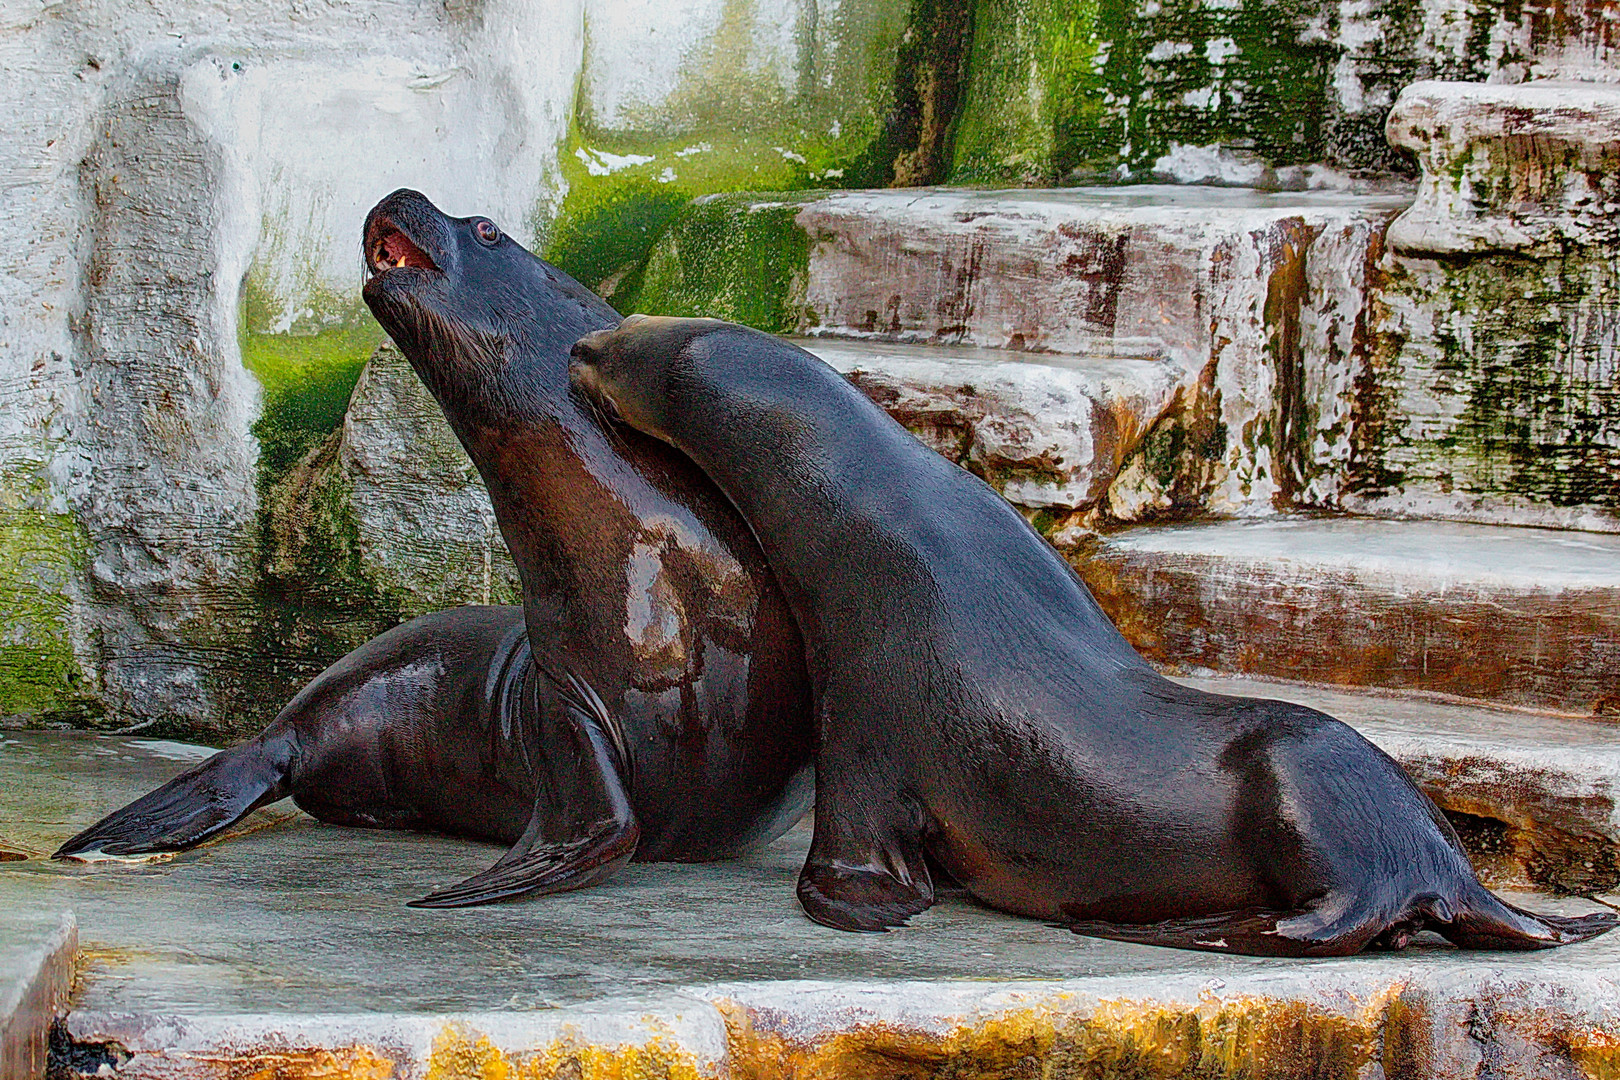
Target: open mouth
(389, 249)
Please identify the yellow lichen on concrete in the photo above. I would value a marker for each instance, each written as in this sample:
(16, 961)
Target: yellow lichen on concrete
(1248, 1038)
(348, 1063)
(1595, 1053)
(461, 1053)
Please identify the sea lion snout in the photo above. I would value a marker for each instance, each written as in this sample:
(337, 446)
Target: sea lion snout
(404, 231)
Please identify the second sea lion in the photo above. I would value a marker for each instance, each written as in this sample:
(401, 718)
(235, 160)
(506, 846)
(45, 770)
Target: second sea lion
(978, 710)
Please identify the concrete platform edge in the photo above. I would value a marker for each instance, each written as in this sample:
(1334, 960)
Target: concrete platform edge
(31, 1004)
(1438, 1014)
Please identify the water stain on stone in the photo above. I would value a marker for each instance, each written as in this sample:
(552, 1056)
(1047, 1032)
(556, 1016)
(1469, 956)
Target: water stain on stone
(462, 1053)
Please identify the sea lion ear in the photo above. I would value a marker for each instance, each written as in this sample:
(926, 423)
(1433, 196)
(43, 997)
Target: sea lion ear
(574, 841)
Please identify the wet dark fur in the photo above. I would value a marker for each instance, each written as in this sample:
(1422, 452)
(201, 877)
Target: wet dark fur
(673, 674)
(978, 711)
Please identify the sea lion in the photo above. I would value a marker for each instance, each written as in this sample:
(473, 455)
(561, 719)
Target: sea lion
(977, 709)
(435, 724)
(649, 607)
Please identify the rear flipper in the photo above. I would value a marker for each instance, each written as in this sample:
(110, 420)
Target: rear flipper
(583, 828)
(194, 805)
(1477, 920)
(1486, 922)
(1251, 932)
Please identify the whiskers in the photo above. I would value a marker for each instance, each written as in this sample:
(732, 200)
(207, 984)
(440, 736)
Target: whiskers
(606, 416)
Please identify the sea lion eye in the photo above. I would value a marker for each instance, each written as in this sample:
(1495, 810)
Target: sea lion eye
(486, 231)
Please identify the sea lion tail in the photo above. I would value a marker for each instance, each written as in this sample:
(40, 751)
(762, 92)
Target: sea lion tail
(194, 805)
(1484, 921)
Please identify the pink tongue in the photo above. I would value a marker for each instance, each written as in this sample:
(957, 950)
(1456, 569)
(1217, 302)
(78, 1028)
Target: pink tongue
(397, 247)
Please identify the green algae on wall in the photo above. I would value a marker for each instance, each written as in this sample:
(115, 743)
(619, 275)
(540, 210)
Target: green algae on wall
(311, 602)
(1506, 372)
(1102, 89)
(42, 553)
(731, 124)
(625, 192)
(307, 376)
(740, 257)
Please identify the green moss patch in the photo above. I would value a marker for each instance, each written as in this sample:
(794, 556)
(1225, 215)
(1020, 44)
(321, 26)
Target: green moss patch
(610, 221)
(1101, 89)
(307, 380)
(741, 258)
(1517, 365)
(41, 553)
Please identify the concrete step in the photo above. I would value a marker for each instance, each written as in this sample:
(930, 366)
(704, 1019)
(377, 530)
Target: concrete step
(1047, 430)
(1318, 369)
(1519, 617)
(1536, 797)
(1232, 287)
(37, 943)
(288, 952)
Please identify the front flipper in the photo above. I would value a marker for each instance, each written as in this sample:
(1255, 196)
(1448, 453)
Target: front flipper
(866, 869)
(583, 828)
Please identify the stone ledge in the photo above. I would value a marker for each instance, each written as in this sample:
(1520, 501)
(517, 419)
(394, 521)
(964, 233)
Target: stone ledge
(1441, 1016)
(1527, 617)
(1529, 167)
(1045, 430)
(37, 946)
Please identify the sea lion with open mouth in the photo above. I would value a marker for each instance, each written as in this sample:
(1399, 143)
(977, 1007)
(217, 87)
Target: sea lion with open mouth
(976, 708)
(666, 666)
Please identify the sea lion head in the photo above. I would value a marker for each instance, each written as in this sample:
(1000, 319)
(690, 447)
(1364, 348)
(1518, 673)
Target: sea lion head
(632, 369)
(464, 301)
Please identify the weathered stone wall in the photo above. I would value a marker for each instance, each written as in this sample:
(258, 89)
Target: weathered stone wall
(193, 517)
(179, 320)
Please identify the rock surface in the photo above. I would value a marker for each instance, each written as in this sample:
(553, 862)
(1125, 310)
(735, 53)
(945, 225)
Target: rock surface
(289, 952)
(393, 500)
(181, 178)
(1047, 431)
(1532, 168)
(1518, 616)
(1494, 393)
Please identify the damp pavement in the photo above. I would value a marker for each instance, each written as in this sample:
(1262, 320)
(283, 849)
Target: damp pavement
(286, 949)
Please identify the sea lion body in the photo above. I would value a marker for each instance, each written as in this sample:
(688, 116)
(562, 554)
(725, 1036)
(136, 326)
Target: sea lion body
(664, 654)
(427, 726)
(978, 710)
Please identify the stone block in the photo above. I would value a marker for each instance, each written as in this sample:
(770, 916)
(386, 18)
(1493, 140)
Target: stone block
(1517, 616)
(37, 948)
(1493, 393)
(1532, 168)
(1047, 431)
